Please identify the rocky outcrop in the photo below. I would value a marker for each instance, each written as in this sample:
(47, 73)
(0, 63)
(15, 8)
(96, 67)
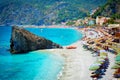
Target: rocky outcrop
(23, 41)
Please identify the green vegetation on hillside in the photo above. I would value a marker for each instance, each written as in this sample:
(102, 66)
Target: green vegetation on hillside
(110, 9)
(47, 12)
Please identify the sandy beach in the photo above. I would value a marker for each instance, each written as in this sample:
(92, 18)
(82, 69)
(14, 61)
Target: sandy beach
(78, 61)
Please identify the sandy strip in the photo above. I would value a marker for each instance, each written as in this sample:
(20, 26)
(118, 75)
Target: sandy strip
(77, 62)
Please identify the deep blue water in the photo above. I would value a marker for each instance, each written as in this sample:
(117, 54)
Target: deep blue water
(36, 65)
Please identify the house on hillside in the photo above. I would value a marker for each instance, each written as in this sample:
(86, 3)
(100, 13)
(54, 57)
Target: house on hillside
(100, 20)
(89, 21)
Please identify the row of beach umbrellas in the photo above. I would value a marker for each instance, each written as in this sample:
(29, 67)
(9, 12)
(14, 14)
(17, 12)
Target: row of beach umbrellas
(96, 65)
(116, 66)
(117, 62)
(99, 66)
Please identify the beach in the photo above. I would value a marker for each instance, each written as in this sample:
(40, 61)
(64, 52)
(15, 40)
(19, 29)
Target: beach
(78, 62)
(77, 59)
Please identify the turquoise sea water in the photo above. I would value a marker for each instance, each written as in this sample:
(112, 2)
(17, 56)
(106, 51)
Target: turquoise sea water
(36, 65)
(62, 36)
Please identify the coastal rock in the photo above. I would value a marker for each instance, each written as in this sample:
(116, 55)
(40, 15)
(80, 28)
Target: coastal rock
(23, 41)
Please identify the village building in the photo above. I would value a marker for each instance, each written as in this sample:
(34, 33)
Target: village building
(89, 21)
(100, 20)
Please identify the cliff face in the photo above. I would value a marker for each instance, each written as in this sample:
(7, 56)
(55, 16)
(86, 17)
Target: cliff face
(23, 41)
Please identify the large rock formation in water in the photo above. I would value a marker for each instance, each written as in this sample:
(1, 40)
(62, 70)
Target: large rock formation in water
(23, 41)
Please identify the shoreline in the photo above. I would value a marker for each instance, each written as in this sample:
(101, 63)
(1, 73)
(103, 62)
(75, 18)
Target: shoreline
(44, 26)
(78, 61)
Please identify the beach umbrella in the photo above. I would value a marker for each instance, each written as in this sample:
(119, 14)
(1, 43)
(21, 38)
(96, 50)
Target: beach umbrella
(100, 62)
(101, 59)
(103, 54)
(117, 58)
(117, 62)
(93, 68)
(96, 64)
(115, 66)
(118, 55)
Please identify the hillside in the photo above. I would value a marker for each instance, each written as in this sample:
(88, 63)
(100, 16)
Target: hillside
(110, 9)
(47, 12)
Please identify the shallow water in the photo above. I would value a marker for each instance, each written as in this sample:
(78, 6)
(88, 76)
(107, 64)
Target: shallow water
(33, 66)
(36, 65)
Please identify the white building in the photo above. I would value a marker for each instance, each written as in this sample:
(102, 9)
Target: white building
(100, 20)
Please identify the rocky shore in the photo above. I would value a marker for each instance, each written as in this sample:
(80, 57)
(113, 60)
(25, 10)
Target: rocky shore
(23, 41)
